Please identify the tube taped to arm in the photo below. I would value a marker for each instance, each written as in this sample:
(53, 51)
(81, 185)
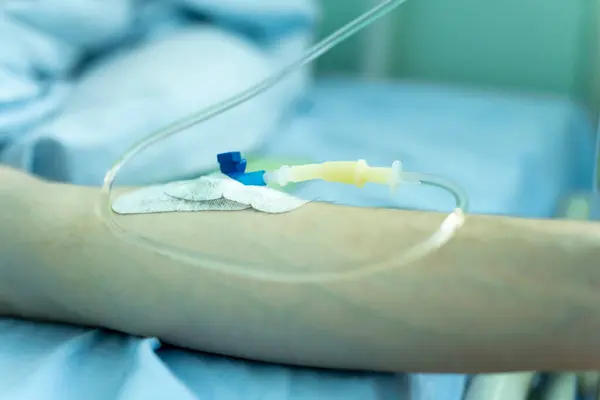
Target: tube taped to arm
(207, 193)
(356, 173)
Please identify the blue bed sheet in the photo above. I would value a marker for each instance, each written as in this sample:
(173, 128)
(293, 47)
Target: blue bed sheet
(514, 156)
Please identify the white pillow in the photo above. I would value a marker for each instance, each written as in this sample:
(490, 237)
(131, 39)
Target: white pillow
(126, 97)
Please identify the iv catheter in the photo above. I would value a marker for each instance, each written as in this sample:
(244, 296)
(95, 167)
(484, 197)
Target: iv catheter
(359, 173)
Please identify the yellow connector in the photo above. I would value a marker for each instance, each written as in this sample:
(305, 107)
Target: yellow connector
(349, 172)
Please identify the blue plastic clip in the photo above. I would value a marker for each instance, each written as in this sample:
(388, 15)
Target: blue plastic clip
(233, 165)
(230, 163)
(232, 157)
(255, 178)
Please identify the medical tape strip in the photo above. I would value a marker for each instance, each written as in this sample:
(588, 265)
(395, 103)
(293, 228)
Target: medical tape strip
(207, 193)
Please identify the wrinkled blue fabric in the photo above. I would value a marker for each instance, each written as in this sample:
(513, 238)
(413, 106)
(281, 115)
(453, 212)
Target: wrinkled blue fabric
(63, 363)
(82, 81)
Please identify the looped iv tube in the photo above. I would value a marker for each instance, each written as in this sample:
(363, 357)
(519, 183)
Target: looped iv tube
(356, 173)
(359, 173)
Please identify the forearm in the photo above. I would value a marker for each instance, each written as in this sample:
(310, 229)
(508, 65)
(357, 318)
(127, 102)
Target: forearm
(504, 294)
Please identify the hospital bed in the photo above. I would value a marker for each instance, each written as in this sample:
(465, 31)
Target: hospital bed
(518, 155)
(514, 154)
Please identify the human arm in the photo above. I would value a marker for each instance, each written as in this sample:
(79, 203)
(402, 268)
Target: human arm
(504, 294)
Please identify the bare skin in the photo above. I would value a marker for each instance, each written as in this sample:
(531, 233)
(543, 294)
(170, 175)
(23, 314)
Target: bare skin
(505, 294)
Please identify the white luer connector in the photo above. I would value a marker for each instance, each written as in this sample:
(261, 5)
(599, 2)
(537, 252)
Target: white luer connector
(396, 176)
(280, 176)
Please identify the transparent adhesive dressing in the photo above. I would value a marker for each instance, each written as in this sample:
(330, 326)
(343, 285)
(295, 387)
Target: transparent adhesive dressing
(350, 172)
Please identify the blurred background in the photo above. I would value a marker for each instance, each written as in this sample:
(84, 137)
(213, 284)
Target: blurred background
(546, 46)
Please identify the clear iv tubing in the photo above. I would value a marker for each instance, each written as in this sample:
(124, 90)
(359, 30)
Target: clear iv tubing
(438, 239)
